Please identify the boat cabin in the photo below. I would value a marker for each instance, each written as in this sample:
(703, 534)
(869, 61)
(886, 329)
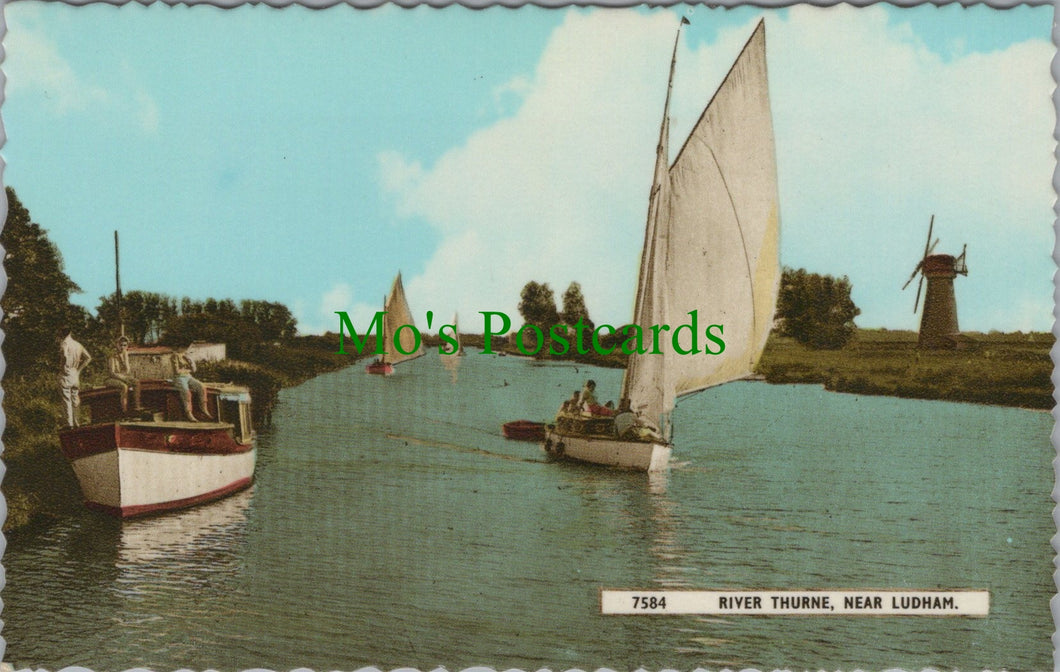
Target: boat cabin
(160, 399)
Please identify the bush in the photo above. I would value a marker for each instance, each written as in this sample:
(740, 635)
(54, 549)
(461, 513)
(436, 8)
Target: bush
(816, 310)
(264, 384)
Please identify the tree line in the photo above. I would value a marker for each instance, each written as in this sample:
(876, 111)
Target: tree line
(815, 310)
(36, 305)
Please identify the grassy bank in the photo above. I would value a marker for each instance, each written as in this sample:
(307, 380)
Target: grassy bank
(40, 485)
(999, 369)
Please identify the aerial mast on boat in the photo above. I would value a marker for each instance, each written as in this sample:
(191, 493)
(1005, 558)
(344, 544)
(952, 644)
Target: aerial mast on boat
(117, 283)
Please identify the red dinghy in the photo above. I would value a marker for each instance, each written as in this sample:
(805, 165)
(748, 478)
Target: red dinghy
(524, 430)
(379, 368)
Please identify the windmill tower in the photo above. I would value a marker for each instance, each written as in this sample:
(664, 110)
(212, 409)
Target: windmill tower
(938, 324)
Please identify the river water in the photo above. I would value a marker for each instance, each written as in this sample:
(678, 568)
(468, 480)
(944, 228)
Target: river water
(392, 525)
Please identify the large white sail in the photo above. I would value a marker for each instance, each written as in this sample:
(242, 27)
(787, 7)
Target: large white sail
(720, 233)
(397, 315)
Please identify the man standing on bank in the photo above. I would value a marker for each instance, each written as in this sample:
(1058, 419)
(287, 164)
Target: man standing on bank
(73, 358)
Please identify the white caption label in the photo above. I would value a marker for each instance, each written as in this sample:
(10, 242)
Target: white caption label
(798, 602)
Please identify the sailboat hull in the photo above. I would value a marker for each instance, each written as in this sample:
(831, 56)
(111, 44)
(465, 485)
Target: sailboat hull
(636, 455)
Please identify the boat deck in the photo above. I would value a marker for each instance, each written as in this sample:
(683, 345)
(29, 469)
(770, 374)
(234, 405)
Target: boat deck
(172, 424)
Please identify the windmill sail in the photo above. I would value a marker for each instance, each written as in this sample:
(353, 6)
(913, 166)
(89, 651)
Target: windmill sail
(711, 242)
(397, 315)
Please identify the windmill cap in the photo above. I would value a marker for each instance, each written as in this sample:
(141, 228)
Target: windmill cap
(939, 263)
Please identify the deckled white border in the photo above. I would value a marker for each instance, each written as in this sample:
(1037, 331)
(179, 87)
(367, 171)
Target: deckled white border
(479, 4)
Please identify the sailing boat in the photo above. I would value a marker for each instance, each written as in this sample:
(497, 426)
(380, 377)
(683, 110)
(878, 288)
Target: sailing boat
(451, 355)
(710, 245)
(459, 351)
(397, 315)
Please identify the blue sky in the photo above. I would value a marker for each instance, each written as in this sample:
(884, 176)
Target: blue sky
(306, 156)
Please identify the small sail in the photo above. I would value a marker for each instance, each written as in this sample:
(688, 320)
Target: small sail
(398, 315)
(456, 328)
(720, 233)
(451, 357)
(449, 351)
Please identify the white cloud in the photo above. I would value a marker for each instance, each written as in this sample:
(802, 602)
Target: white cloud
(875, 133)
(32, 62)
(321, 317)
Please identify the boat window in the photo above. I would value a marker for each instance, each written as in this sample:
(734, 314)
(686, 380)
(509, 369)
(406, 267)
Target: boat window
(235, 408)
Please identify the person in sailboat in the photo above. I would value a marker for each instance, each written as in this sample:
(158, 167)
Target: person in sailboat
(631, 426)
(120, 375)
(183, 368)
(625, 420)
(589, 402)
(572, 405)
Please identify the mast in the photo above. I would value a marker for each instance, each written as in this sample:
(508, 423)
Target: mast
(645, 304)
(386, 337)
(117, 284)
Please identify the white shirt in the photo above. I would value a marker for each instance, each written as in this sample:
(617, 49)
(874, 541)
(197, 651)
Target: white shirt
(74, 357)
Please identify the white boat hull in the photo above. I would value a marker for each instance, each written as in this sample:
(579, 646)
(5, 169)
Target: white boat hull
(130, 482)
(637, 455)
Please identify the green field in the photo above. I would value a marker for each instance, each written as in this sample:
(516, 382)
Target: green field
(1000, 369)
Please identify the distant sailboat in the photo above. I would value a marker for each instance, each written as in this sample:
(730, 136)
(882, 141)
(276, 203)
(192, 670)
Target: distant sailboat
(396, 307)
(710, 245)
(450, 357)
(459, 344)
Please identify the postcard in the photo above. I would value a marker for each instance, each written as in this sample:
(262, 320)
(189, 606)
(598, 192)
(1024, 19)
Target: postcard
(669, 337)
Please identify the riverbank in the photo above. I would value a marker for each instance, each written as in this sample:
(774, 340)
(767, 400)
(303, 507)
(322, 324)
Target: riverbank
(998, 369)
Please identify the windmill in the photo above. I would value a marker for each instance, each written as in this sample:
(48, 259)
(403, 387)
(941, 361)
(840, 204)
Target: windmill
(938, 324)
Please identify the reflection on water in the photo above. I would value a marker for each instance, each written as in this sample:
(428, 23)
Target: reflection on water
(185, 534)
(451, 363)
(392, 524)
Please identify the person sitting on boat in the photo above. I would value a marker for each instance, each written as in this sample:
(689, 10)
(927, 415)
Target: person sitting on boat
(589, 402)
(121, 376)
(187, 385)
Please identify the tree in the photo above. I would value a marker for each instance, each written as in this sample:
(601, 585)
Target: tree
(36, 303)
(574, 306)
(144, 314)
(816, 310)
(538, 305)
(273, 319)
(241, 337)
